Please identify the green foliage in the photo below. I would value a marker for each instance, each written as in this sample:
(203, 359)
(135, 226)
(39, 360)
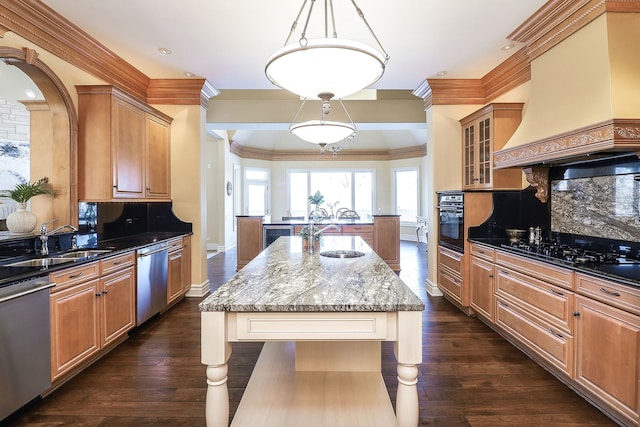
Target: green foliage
(304, 233)
(317, 199)
(25, 191)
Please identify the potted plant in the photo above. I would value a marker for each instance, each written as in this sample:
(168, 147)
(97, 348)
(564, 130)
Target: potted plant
(317, 199)
(23, 221)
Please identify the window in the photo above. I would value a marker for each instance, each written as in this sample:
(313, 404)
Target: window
(406, 196)
(340, 188)
(256, 190)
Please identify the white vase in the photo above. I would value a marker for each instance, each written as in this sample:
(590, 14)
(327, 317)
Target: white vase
(21, 220)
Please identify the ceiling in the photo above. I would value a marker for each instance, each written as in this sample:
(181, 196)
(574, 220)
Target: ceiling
(228, 43)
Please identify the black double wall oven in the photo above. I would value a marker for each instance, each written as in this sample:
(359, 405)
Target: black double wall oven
(451, 220)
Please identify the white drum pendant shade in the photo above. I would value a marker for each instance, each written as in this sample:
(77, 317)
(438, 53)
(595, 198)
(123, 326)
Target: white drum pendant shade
(341, 67)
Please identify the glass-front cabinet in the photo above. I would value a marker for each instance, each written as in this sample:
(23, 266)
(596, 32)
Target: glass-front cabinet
(484, 132)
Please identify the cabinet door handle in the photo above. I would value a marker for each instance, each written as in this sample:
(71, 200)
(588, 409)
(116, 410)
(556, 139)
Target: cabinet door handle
(105, 292)
(553, 291)
(559, 335)
(576, 314)
(75, 276)
(604, 291)
(98, 294)
(491, 276)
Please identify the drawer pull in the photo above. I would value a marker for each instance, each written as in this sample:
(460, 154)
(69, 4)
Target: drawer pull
(117, 262)
(504, 304)
(604, 291)
(75, 276)
(506, 273)
(556, 333)
(556, 292)
(456, 281)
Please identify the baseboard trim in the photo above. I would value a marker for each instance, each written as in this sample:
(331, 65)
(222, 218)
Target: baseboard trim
(198, 291)
(432, 289)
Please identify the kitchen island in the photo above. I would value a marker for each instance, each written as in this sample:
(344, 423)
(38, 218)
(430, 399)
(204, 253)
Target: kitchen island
(323, 320)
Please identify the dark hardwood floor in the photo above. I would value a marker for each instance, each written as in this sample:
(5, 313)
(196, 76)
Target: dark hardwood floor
(470, 375)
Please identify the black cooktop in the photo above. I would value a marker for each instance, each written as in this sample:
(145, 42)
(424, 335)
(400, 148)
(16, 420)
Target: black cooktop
(607, 263)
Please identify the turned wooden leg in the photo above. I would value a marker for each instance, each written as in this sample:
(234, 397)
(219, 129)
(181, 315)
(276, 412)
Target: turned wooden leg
(407, 411)
(217, 404)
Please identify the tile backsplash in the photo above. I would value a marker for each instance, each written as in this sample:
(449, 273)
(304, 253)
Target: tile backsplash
(601, 206)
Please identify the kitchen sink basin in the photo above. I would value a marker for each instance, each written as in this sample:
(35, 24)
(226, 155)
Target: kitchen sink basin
(342, 254)
(84, 253)
(40, 262)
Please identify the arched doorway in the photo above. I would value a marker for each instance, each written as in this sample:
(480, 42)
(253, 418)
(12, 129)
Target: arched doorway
(54, 129)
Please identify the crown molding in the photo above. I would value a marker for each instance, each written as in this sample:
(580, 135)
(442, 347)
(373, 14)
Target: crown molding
(37, 23)
(510, 74)
(559, 19)
(42, 26)
(604, 138)
(345, 155)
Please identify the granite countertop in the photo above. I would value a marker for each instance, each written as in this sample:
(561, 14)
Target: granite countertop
(322, 221)
(623, 273)
(284, 278)
(10, 275)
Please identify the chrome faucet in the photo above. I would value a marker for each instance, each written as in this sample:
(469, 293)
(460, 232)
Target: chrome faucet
(44, 235)
(313, 233)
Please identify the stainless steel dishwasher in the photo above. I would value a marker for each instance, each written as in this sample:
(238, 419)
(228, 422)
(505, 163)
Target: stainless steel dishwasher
(152, 265)
(25, 343)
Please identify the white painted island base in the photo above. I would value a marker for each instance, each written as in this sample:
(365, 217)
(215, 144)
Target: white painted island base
(330, 376)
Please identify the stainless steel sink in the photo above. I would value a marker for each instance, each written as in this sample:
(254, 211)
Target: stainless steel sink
(342, 254)
(84, 253)
(40, 262)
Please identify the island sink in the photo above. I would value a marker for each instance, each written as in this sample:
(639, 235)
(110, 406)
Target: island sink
(342, 254)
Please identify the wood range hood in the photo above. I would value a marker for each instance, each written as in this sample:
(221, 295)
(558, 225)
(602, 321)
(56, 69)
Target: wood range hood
(584, 102)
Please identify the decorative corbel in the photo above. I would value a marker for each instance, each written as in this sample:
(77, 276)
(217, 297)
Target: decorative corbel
(3, 30)
(538, 177)
(30, 55)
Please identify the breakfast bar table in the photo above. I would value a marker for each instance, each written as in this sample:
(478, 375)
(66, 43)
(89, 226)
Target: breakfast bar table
(322, 317)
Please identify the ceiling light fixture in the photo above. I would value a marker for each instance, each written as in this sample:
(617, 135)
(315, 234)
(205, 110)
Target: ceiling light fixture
(312, 66)
(164, 51)
(323, 132)
(507, 46)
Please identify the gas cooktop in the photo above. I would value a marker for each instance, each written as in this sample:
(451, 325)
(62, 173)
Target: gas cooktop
(571, 255)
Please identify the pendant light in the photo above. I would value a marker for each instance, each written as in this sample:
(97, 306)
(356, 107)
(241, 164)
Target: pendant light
(328, 64)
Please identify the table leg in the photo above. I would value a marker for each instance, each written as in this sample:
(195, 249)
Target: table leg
(217, 402)
(418, 235)
(407, 406)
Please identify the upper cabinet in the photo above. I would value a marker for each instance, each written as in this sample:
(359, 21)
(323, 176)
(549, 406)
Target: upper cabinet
(123, 147)
(484, 132)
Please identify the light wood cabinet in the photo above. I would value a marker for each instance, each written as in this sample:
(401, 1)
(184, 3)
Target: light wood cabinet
(607, 343)
(484, 132)
(176, 270)
(481, 281)
(123, 147)
(386, 239)
(363, 230)
(450, 276)
(186, 271)
(249, 235)
(89, 312)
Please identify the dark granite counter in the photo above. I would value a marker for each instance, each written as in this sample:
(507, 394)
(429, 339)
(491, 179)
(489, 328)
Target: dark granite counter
(10, 275)
(626, 272)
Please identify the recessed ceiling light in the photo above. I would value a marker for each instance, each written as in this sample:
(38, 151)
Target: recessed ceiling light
(507, 46)
(30, 94)
(189, 74)
(165, 51)
(441, 73)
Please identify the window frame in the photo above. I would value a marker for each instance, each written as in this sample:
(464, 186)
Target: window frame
(394, 195)
(266, 182)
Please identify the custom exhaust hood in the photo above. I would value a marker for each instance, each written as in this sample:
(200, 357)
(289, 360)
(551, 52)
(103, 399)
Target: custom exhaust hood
(584, 102)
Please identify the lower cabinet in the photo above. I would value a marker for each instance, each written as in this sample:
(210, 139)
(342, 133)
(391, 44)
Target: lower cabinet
(179, 269)
(607, 344)
(481, 282)
(90, 310)
(386, 239)
(583, 328)
(450, 278)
